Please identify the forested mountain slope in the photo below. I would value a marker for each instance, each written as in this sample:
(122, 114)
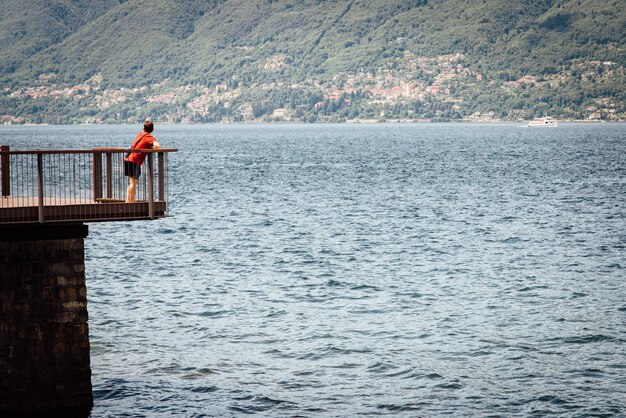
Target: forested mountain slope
(28, 27)
(312, 48)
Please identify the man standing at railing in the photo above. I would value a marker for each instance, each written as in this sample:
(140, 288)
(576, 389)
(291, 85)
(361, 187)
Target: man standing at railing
(133, 160)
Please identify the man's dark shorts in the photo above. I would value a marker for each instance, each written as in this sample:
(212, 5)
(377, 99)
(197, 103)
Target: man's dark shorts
(131, 169)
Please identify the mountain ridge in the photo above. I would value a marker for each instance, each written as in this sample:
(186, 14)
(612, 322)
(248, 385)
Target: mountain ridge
(29, 27)
(138, 44)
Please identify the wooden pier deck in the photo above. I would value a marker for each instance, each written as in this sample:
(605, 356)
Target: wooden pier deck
(26, 210)
(60, 186)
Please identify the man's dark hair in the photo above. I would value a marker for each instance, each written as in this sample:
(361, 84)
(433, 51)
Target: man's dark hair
(148, 126)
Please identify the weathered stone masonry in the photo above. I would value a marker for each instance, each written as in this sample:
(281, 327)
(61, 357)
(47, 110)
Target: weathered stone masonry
(44, 337)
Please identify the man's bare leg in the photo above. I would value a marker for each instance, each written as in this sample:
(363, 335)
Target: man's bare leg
(130, 191)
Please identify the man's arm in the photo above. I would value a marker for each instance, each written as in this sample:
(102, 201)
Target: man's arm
(156, 145)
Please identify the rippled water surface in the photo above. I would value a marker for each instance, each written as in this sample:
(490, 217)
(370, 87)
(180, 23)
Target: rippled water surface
(321, 270)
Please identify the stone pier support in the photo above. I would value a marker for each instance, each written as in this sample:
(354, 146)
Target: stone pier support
(44, 337)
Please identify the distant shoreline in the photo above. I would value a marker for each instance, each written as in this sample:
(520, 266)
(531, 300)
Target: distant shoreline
(349, 122)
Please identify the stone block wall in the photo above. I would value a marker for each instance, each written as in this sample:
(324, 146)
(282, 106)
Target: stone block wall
(44, 336)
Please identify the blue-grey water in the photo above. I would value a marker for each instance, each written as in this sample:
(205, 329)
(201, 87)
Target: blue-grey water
(337, 270)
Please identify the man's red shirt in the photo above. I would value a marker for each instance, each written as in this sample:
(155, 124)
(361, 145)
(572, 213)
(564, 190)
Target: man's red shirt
(143, 140)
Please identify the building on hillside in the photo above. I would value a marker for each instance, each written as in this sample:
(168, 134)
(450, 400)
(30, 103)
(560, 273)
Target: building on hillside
(281, 114)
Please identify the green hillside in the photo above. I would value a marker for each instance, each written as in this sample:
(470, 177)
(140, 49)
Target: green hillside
(301, 55)
(28, 27)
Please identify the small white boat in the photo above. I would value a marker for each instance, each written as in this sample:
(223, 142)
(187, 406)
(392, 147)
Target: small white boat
(547, 122)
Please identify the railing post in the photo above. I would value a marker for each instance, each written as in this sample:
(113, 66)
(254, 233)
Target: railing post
(109, 165)
(161, 158)
(97, 176)
(40, 191)
(6, 171)
(150, 185)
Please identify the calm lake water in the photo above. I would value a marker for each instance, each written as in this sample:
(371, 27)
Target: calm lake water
(337, 270)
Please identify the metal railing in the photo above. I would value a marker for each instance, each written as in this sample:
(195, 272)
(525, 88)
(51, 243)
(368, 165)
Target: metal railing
(79, 185)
